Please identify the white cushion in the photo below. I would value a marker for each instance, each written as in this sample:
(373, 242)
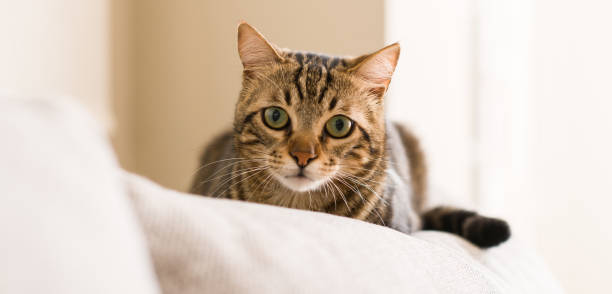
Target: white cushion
(206, 245)
(66, 225)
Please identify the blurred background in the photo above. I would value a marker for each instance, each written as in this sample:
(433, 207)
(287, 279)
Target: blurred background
(512, 99)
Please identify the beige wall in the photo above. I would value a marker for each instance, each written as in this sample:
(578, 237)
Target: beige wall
(122, 82)
(57, 48)
(186, 72)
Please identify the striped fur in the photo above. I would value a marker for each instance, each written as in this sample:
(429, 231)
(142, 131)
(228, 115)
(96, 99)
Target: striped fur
(376, 174)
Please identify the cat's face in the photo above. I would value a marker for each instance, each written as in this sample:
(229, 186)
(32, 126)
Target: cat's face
(307, 119)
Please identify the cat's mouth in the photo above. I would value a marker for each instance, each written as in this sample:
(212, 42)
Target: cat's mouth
(299, 182)
(300, 177)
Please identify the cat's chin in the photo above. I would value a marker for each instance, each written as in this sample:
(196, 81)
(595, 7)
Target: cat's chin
(299, 183)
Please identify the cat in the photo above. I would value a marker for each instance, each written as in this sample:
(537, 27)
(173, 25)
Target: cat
(310, 133)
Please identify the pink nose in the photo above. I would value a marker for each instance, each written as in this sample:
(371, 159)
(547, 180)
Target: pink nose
(303, 147)
(302, 158)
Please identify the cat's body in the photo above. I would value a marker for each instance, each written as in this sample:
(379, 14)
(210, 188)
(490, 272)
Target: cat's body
(310, 133)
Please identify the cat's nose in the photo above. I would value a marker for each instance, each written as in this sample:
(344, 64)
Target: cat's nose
(303, 150)
(303, 158)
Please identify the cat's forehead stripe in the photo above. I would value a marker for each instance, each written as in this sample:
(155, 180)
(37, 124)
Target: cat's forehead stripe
(332, 103)
(296, 81)
(328, 81)
(312, 78)
(328, 62)
(288, 97)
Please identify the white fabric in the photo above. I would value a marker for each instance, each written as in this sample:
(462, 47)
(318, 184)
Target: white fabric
(66, 225)
(206, 245)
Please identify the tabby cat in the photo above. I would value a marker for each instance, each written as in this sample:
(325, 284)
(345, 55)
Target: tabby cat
(310, 133)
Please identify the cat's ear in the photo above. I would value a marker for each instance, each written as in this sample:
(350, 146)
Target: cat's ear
(377, 68)
(254, 49)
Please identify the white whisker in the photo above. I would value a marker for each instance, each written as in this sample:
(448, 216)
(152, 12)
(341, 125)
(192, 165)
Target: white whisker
(250, 176)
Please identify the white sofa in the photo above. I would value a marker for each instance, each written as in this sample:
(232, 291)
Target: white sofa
(71, 221)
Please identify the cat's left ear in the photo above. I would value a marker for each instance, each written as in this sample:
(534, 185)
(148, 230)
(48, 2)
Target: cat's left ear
(254, 50)
(377, 68)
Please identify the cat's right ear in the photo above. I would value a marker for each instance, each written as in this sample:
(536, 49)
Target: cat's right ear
(254, 50)
(377, 68)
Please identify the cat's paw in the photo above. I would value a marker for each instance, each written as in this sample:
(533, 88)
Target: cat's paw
(485, 232)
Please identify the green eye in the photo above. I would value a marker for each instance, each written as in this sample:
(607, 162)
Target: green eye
(275, 117)
(339, 126)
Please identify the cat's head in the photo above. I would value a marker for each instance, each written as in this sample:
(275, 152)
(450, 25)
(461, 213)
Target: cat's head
(308, 118)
